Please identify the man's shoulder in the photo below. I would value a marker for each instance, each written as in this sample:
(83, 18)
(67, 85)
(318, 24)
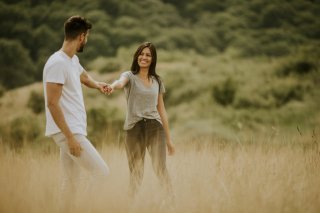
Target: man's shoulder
(56, 59)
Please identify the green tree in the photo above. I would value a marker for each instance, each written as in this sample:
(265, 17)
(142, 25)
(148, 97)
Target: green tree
(17, 67)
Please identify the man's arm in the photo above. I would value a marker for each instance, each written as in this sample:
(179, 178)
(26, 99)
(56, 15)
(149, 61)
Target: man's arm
(54, 92)
(87, 80)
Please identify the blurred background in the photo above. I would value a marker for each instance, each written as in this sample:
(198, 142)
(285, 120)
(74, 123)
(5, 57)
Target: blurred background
(233, 70)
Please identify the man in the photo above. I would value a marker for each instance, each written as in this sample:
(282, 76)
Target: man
(65, 111)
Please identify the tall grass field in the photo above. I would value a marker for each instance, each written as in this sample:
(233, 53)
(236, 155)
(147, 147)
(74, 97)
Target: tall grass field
(276, 176)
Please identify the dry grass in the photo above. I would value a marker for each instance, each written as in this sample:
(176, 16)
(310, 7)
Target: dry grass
(222, 177)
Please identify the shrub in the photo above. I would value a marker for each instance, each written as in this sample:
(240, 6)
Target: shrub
(104, 124)
(275, 49)
(224, 93)
(256, 102)
(36, 102)
(286, 93)
(2, 90)
(110, 66)
(23, 129)
(300, 66)
(16, 64)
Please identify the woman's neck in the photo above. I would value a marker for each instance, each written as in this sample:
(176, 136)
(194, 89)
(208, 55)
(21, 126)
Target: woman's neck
(143, 73)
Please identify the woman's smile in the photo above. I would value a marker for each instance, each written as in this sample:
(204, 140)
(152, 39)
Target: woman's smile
(145, 58)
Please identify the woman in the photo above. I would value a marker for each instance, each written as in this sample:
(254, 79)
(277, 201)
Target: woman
(146, 121)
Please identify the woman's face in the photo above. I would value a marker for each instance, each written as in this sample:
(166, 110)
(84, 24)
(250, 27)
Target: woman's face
(145, 58)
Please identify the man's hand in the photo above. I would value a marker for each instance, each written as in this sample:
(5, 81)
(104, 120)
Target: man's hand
(110, 90)
(74, 147)
(103, 87)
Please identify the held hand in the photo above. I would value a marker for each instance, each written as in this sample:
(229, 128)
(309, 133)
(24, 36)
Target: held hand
(110, 90)
(103, 87)
(171, 148)
(74, 147)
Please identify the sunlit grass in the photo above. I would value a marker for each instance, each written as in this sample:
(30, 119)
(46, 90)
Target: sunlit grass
(214, 176)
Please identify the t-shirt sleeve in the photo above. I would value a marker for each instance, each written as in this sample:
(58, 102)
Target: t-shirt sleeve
(56, 74)
(162, 88)
(128, 75)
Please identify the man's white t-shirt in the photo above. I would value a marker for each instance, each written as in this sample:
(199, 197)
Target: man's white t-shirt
(62, 69)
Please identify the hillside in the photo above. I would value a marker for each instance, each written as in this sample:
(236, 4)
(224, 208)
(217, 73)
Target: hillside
(268, 28)
(208, 98)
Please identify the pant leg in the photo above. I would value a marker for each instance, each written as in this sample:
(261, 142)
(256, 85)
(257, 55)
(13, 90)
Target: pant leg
(70, 176)
(135, 149)
(157, 150)
(89, 160)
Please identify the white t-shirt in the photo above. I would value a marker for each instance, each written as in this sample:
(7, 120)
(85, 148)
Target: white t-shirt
(62, 69)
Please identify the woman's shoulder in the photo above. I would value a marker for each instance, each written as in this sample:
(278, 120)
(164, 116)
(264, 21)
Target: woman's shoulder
(127, 74)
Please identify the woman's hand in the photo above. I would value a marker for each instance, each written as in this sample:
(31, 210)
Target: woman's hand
(103, 87)
(171, 148)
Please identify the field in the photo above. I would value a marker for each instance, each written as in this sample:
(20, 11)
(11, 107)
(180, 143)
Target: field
(242, 96)
(255, 152)
(278, 175)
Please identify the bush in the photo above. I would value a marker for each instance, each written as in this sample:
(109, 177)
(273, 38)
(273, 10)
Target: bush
(17, 67)
(274, 16)
(275, 49)
(287, 92)
(110, 66)
(2, 90)
(36, 102)
(300, 67)
(104, 124)
(224, 93)
(23, 129)
(256, 102)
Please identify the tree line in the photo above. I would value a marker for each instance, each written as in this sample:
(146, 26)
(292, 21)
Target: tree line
(31, 30)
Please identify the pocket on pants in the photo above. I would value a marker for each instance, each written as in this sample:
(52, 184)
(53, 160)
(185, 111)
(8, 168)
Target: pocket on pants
(58, 137)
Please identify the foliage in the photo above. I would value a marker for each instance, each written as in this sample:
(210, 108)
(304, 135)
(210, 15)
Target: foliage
(102, 125)
(32, 30)
(284, 93)
(23, 129)
(110, 66)
(300, 67)
(2, 90)
(36, 102)
(17, 68)
(224, 92)
(259, 57)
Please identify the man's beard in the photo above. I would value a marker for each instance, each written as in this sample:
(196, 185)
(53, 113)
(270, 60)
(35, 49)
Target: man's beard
(80, 50)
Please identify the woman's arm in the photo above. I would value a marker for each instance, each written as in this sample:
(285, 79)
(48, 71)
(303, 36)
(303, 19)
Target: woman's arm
(118, 84)
(164, 118)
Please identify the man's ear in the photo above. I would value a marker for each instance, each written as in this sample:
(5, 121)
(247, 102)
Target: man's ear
(82, 37)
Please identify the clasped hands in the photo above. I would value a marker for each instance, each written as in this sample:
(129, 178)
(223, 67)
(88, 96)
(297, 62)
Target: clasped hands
(105, 88)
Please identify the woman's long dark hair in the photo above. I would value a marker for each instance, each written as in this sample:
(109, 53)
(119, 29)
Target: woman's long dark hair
(135, 68)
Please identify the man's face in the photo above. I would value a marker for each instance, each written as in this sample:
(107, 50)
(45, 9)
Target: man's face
(83, 41)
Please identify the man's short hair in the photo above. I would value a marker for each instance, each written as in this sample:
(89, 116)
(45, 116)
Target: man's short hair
(74, 26)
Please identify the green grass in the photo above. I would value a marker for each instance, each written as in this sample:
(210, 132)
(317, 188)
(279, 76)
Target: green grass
(262, 99)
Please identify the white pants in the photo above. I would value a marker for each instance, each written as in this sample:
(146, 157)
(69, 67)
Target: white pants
(71, 166)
